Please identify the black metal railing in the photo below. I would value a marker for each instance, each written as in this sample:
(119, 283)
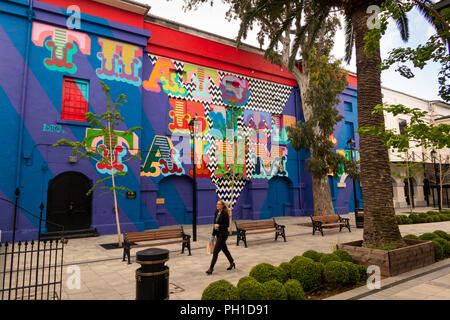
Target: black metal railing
(31, 269)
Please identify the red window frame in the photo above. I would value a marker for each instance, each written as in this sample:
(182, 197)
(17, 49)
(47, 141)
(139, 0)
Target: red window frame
(74, 103)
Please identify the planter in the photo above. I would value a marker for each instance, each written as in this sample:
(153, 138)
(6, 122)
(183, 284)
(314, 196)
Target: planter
(417, 254)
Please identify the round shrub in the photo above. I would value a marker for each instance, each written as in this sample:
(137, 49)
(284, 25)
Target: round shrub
(445, 246)
(423, 215)
(336, 273)
(265, 272)
(436, 218)
(429, 219)
(442, 234)
(343, 255)
(415, 218)
(353, 273)
(362, 269)
(275, 290)
(251, 290)
(220, 290)
(444, 217)
(409, 221)
(438, 251)
(300, 258)
(312, 254)
(286, 266)
(411, 236)
(327, 257)
(294, 290)
(307, 272)
(245, 279)
(283, 275)
(428, 236)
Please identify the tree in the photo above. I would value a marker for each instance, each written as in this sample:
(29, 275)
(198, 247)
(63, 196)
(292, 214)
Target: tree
(105, 155)
(292, 27)
(419, 132)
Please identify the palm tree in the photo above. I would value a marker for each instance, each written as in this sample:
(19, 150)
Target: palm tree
(380, 226)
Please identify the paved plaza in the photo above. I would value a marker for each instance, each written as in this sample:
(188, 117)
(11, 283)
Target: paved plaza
(104, 276)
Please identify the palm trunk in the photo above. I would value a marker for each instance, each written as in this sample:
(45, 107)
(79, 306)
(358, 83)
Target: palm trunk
(380, 226)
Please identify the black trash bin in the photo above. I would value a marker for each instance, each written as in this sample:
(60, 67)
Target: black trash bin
(359, 217)
(152, 278)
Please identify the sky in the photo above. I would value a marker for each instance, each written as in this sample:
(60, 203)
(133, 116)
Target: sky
(212, 19)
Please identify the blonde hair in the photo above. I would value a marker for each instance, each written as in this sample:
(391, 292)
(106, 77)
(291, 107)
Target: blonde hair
(224, 207)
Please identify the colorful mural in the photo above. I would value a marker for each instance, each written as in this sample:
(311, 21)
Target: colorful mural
(119, 62)
(122, 143)
(61, 45)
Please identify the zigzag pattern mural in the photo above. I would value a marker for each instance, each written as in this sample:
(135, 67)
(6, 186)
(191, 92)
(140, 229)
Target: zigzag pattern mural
(204, 93)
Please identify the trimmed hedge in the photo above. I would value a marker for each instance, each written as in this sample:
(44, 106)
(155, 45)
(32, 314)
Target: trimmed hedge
(353, 273)
(312, 254)
(424, 217)
(327, 257)
(294, 290)
(343, 255)
(220, 290)
(336, 273)
(307, 272)
(251, 290)
(275, 290)
(264, 272)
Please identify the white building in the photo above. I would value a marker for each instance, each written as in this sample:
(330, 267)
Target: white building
(422, 195)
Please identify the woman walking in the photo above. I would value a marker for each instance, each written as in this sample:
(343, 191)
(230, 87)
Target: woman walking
(221, 224)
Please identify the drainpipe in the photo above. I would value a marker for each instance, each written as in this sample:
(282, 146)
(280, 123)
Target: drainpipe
(23, 97)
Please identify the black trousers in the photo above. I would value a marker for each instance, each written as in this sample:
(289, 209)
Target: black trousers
(221, 245)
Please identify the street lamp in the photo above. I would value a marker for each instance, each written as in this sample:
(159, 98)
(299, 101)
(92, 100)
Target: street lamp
(192, 128)
(436, 173)
(351, 144)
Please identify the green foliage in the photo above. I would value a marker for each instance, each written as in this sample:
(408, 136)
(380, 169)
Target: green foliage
(312, 254)
(300, 258)
(438, 250)
(245, 279)
(353, 273)
(327, 257)
(336, 273)
(250, 289)
(418, 130)
(343, 255)
(445, 246)
(284, 274)
(287, 267)
(411, 236)
(442, 234)
(428, 236)
(264, 272)
(220, 290)
(326, 81)
(294, 290)
(275, 290)
(307, 272)
(362, 269)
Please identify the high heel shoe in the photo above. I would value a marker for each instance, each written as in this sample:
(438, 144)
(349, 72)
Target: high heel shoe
(232, 265)
(209, 271)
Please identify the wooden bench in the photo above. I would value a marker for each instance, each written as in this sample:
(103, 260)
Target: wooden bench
(255, 227)
(131, 240)
(335, 220)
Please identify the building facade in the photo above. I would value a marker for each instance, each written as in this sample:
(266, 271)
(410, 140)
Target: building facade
(55, 58)
(420, 188)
